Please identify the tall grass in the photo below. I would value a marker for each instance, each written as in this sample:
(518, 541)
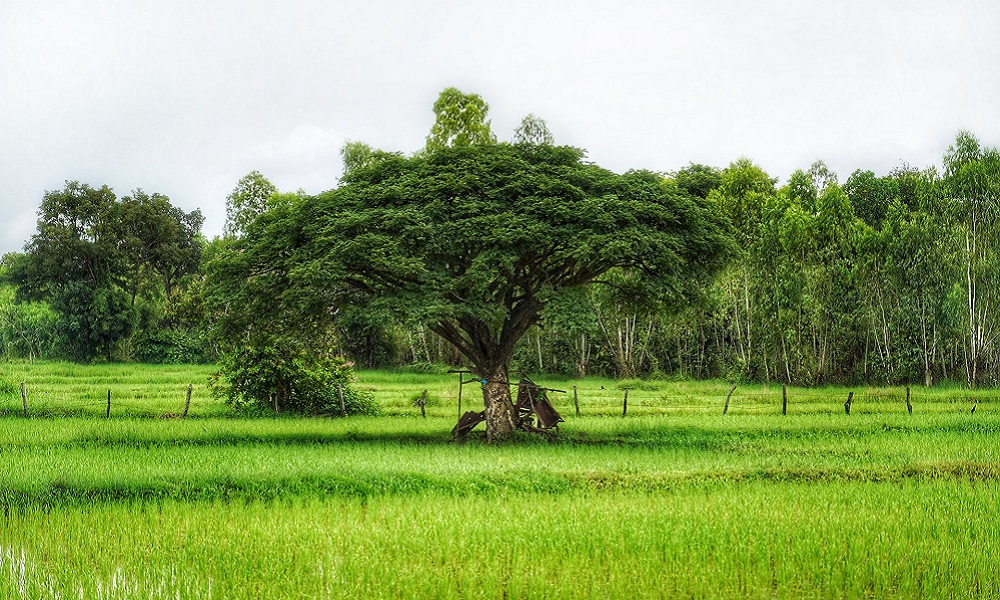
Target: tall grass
(915, 539)
(84, 460)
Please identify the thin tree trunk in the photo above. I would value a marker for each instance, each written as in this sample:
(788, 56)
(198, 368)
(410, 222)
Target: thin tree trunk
(423, 342)
(746, 301)
(538, 344)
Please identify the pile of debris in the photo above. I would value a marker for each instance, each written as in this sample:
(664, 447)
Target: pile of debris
(532, 403)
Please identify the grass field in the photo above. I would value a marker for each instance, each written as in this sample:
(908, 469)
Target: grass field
(675, 500)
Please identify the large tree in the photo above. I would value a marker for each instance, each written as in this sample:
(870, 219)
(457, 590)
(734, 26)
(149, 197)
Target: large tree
(474, 241)
(94, 255)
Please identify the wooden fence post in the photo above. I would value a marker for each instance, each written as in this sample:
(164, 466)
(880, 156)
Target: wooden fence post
(784, 399)
(340, 397)
(909, 407)
(725, 409)
(460, 386)
(423, 403)
(576, 401)
(625, 403)
(107, 414)
(847, 405)
(187, 401)
(24, 399)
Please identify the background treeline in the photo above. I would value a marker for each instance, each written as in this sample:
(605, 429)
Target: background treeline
(107, 278)
(875, 279)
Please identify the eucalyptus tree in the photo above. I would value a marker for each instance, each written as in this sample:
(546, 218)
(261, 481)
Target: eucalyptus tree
(871, 196)
(248, 200)
(627, 322)
(832, 306)
(742, 193)
(906, 270)
(533, 131)
(459, 120)
(972, 178)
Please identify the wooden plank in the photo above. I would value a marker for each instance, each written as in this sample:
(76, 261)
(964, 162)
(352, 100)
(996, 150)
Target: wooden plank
(467, 423)
(548, 416)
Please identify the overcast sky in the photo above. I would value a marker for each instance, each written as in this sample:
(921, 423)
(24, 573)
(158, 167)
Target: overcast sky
(184, 98)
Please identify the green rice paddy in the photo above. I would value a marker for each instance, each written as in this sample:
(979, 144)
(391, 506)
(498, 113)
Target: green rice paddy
(673, 500)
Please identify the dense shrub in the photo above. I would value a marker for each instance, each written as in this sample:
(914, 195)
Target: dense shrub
(174, 345)
(295, 380)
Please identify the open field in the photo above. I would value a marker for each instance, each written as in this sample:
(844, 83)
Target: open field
(674, 500)
(65, 389)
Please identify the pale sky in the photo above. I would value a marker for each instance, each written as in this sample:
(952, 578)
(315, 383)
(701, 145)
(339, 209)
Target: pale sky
(185, 97)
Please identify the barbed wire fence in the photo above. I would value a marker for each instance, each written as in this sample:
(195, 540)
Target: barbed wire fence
(194, 400)
(778, 401)
(107, 403)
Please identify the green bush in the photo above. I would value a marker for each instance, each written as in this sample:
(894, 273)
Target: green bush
(298, 380)
(173, 345)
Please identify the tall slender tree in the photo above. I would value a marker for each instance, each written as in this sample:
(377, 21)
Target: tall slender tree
(459, 120)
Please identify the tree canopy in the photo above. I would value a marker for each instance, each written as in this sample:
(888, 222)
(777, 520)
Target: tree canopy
(473, 241)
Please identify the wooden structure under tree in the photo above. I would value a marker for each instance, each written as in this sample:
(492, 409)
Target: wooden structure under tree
(532, 403)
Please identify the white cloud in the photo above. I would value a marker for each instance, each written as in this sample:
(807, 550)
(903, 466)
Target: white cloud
(185, 97)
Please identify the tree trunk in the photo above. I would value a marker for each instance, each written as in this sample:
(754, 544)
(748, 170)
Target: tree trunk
(499, 406)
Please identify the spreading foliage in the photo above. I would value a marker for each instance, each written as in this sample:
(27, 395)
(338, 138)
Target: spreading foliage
(472, 241)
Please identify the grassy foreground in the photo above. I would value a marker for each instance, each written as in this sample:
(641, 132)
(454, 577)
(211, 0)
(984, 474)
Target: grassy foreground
(674, 500)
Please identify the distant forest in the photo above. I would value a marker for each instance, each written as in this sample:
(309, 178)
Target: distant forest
(891, 278)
